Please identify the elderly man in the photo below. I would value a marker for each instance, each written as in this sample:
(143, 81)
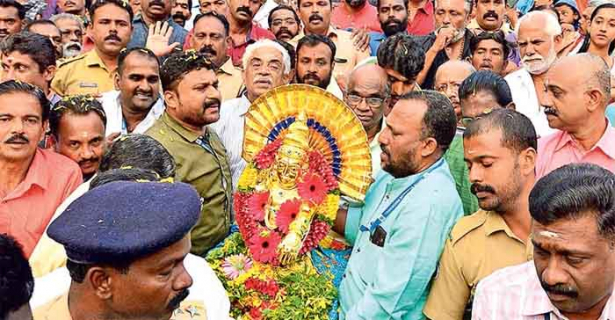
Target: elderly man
(155, 19)
(192, 104)
(384, 278)
(258, 81)
(490, 51)
(315, 63)
(576, 105)
(538, 34)
(573, 270)
(92, 72)
(316, 18)
(48, 29)
(368, 94)
(17, 280)
(212, 39)
(500, 149)
(393, 18)
(243, 30)
(451, 41)
(33, 181)
(136, 102)
(284, 22)
(72, 30)
(402, 59)
(103, 256)
(448, 80)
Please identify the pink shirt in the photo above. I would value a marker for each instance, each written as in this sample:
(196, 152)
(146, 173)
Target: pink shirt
(559, 149)
(26, 211)
(514, 293)
(367, 17)
(423, 22)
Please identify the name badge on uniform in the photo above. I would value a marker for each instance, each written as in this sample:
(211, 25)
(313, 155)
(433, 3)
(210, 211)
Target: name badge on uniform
(88, 85)
(378, 236)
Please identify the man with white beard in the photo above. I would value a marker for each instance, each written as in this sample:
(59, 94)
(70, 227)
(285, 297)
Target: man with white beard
(538, 34)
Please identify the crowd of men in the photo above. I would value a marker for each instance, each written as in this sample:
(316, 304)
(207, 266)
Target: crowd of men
(489, 123)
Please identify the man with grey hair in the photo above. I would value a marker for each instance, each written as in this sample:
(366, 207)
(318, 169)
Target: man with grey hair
(266, 65)
(538, 37)
(71, 30)
(367, 94)
(575, 103)
(450, 41)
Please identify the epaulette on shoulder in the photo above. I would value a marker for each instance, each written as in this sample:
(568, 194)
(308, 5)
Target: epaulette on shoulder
(65, 61)
(466, 224)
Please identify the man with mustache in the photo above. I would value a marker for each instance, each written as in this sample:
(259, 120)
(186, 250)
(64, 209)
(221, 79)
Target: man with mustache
(399, 233)
(284, 23)
(316, 18)
(71, 30)
(136, 102)
(33, 181)
(355, 14)
(77, 124)
(448, 80)
(243, 30)
(181, 11)
(573, 270)
(315, 63)
(92, 72)
(393, 17)
(266, 65)
(450, 41)
(192, 104)
(120, 272)
(76, 7)
(490, 51)
(500, 150)
(156, 21)
(575, 105)
(538, 34)
(211, 38)
(217, 6)
(490, 16)
(12, 17)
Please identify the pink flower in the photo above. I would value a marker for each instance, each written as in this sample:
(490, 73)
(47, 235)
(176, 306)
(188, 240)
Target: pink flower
(263, 246)
(236, 265)
(257, 203)
(287, 214)
(312, 188)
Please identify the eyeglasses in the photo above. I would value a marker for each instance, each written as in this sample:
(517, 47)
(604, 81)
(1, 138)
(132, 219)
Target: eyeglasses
(372, 102)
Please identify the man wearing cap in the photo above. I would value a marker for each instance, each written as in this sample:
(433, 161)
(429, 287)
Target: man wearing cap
(126, 261)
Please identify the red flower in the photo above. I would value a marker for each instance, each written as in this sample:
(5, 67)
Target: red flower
(257, 203)
(264, 159)
(312, 188)
(255, 313)
(263, 246)
(287, 214)
(269, 287)
(318, 231)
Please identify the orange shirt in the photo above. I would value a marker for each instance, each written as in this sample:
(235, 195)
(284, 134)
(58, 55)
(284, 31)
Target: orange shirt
(26, 211)
(367, 17)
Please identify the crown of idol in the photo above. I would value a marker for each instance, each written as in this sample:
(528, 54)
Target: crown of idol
(296, 141)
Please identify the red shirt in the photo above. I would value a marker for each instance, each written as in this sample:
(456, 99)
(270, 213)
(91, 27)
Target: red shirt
(367, 17)
(423, 22)
(26, 211)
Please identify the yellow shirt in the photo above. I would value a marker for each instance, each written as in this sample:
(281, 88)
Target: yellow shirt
(474, 26)
(83, 74)
(478, 245)
(230, 81)
(346, 55)
(57, 309)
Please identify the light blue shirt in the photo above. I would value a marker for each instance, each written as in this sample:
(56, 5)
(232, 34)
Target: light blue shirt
(391, 282)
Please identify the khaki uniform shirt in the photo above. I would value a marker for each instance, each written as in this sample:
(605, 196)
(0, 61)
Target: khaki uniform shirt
(346, 55)
(83, 74)
(478, 245)
(57, 309)
(230, 80)
(207, 171)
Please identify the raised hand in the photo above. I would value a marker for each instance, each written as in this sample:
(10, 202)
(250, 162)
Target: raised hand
(158, 39)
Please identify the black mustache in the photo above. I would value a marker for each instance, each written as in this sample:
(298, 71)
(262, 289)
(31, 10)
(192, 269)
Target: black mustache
(179, 15)
(145, 93)
(311, 76)
(560, 289)
(491, 14)
(17, 138)
(174, 303)
(156, 3)
(283, 30)
(245, 9)
(112, 37)
(551, 111)
(315, 16)
(208, 49)
(211, 103)
(476, 188)
(389, 21)
(91, 160)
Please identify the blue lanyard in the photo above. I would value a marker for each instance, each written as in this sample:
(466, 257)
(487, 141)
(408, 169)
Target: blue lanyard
(376, 223)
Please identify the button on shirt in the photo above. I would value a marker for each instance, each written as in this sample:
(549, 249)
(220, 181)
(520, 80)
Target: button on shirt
(201, 162)
(115, 118)
(560, 149)
(392, 281)
(515, 293)
(366, 17)
(478, 245)
(138, 37)
(26, 211)
(84, 74)
(526, 101)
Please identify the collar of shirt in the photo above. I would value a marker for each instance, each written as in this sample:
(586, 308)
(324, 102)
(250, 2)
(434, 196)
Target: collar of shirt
(93, 59)
(403, 183)
(227, 67)
(37, 174)
(605, 143)
(153, 114)
(331, 33)
(427, 7)
(475, 26)
(495, 223)
(179, 129)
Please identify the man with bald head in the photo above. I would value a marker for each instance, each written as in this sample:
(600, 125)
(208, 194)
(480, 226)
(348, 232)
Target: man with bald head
(574, 103)
(449, 77)
(539, 35)
(368, 94)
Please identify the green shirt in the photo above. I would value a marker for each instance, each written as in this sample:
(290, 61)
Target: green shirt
(206, 169)
(459, 171)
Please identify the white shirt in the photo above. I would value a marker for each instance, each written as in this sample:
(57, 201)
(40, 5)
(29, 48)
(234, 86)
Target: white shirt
(526, 101)
(262, 16)
(115, 119)
(230, 130)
